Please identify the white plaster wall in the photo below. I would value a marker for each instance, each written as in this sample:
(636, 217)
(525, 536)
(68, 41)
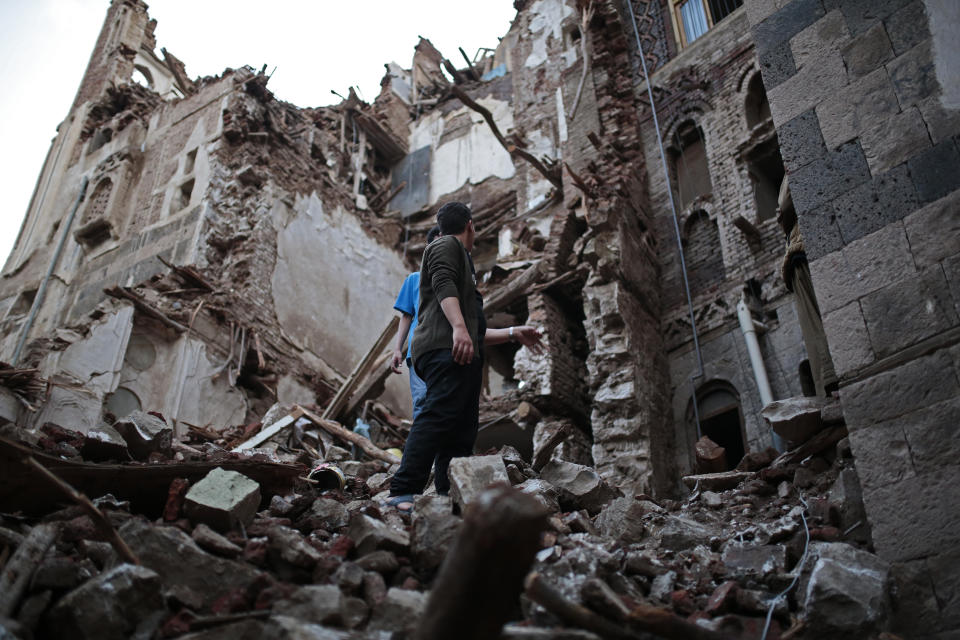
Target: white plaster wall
(546, 22)
(472, 157)
(334, 286)
(204, 400)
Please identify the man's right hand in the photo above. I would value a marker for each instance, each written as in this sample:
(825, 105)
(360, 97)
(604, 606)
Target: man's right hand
(397, 361)
(462, 345)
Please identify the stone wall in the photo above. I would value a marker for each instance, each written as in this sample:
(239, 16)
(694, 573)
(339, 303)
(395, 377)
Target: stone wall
(861, 97)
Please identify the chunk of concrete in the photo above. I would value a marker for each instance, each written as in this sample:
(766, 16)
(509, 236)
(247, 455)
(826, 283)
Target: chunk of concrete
(145, 434)
(470, 476)
(318, 604)
(287, 545)
(680, 533)
(433, 530)
(718, 481)
(179, 561)
(103, 442)
(369, 534)
(754, 560)
(847, 589)
(222, 499)
(399, 611)
(622, 519)
(795, 419)
(545, 493)
(327, 514)
(581, 487)
(108, 606)
(209, 540)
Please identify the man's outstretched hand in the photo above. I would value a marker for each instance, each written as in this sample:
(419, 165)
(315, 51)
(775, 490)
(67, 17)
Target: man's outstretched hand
(529, 337)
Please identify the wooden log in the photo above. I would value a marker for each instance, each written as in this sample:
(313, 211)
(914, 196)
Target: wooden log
(481, 578)
(360, 371)
(542, 457)
(513, 289)
(122, 293)
(22, 564)
(668, 625)
(574, 613)
(526, 412)
(338, 431)
(371, 386)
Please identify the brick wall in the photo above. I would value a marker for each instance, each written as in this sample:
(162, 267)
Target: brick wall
(856, 93)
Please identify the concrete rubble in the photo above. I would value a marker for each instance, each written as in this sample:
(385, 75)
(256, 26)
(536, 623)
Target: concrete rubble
(198, 426)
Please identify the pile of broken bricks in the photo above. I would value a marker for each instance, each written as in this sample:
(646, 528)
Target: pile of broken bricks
(776, 549)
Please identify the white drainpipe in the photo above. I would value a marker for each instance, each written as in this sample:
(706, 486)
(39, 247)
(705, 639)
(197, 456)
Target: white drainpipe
(748, 326)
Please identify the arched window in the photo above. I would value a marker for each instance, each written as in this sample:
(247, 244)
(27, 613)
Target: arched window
(766, 171)
(142, 76)
(94, 228)
(689, 157)
(702, 253)
(756, 106)
(721, 420)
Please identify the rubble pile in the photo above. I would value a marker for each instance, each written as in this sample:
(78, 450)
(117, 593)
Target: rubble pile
(229, 550)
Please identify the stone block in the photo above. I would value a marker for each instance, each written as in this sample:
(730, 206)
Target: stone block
(936, 172)
(678, 533)
(868, 51)
(908, 311)
(286, 546)
(818, 182)
(829, 32)
(327, 514)
(222, 499)
(544, 493)
(907, 27)
(103, 442)
(913, 518)
(821, 233)
(951, 270)
(847, 497)
(145, 434)
(909, 387)
(808, 87)
(847, 589)
(931, 434)
(785, 23)
(795, 419)
(319, 604)
(857, 107)
(754, 560)
(110, 606)
(433, 530)
(369, 534)
(580, 487)
(801, 140)
(380, 561)
(941, 122)
(470, 476)
(895, 140)
(879, 259)
(399, 611)
(887, 198)
(861, 15)
(776, 65)
(945, 575)
(848, 339)
(914, 599)
(913, 75)
(760, 10)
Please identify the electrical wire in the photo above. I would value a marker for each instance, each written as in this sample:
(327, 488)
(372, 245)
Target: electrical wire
(676, 223)
(798, 569)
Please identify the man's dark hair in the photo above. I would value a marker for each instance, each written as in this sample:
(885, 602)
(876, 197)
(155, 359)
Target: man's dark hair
(433, 233)
(452, 218)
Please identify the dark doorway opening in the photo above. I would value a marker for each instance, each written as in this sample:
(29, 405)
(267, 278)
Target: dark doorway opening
(724, 429)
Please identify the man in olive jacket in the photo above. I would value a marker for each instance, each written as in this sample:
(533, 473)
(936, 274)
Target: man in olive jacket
(447, 355)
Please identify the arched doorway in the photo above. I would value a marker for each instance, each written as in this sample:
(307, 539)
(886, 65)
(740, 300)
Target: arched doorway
(721, 419)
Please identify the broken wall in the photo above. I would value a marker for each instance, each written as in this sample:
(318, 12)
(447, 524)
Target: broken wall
(862, 97)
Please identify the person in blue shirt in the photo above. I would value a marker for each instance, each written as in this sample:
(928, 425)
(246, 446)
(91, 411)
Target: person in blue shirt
(407, 302)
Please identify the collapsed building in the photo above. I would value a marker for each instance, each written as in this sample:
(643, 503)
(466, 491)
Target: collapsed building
(203, 250)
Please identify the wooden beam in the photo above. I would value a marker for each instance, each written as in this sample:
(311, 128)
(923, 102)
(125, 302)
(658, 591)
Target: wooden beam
(265, 434)
(345, 435)
(333, 410)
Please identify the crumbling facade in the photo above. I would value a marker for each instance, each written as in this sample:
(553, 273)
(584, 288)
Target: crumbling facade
(200, 249)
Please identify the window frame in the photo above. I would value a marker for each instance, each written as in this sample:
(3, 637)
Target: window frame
(676, 19)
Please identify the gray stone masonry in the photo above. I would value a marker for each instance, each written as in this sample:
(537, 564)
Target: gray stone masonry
(223, 499)
(874, 167)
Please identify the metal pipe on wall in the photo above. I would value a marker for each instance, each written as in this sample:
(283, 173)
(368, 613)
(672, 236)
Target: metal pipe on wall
(749, 330)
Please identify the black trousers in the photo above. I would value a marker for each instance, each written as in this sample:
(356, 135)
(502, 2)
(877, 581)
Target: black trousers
(446, 426)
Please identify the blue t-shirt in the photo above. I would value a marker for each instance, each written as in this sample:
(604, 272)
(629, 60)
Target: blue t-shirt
(408, 301)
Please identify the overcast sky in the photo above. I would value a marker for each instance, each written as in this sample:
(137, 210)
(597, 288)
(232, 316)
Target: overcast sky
(315, 45)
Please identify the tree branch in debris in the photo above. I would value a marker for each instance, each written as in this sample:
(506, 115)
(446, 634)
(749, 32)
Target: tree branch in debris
(573, 613)
(99, 519)
(334, 429)
(21, 566)
(481, 578)
(553, 175)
